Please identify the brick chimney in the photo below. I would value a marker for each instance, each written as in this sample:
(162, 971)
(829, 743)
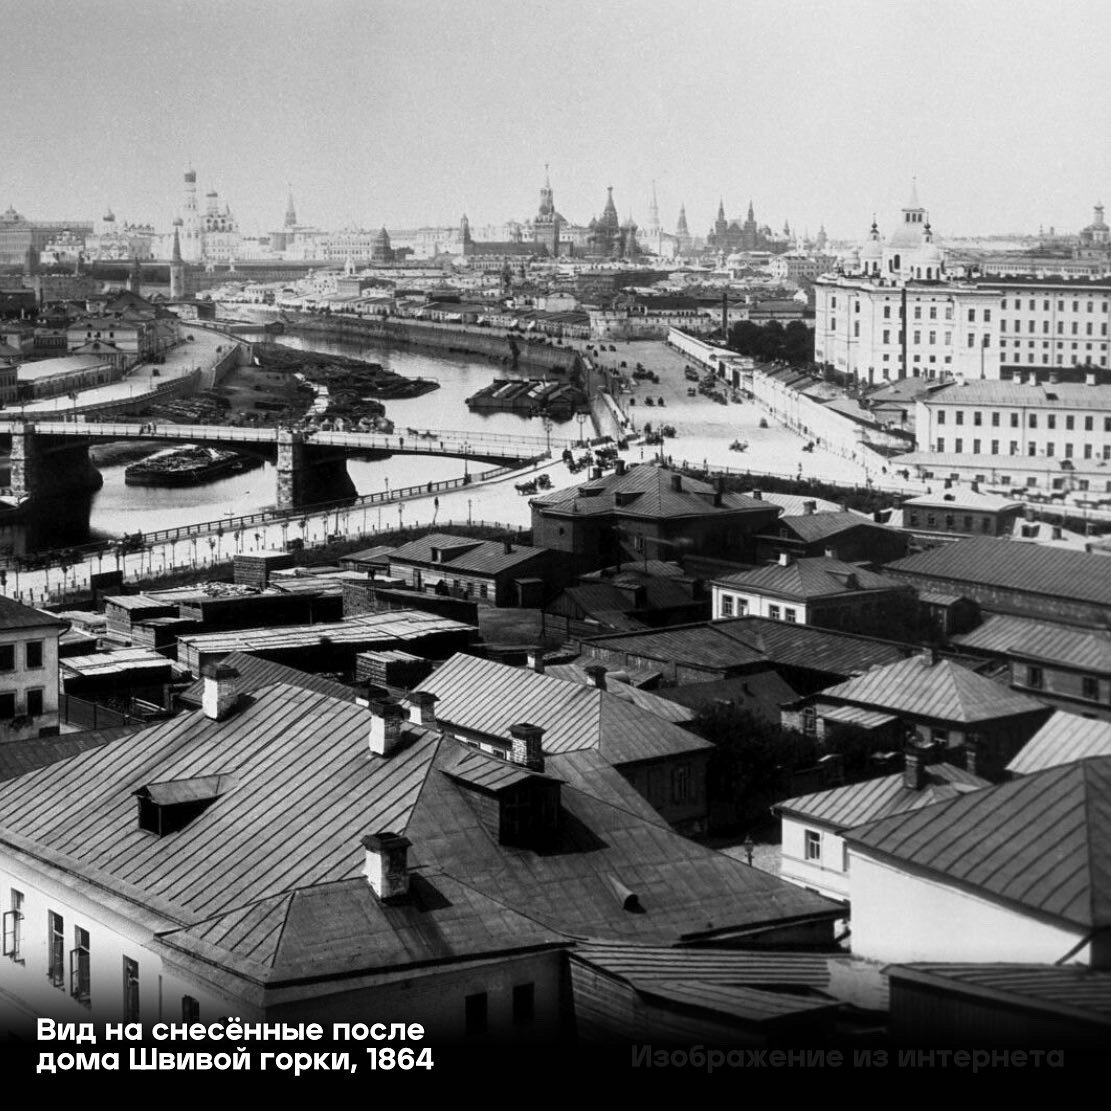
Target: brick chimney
(597, 675)
(221, 694)
(508, 547)
(914, 767)
(758, 495)
(1090, 378)
(677, 482)
(534, 660)
(387, 864)
(527, 748)
(619, 467)
(385, 726)
(422, 708)
(809, 507)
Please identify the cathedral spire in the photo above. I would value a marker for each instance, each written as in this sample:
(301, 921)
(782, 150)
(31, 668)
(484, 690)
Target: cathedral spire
(290, 211)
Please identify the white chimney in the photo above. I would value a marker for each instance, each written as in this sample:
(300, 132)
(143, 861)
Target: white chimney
(220, 693)
(387, 864)
(534, 660)
(784, 559)
(385, 727)
(422, 708)
(527, 746)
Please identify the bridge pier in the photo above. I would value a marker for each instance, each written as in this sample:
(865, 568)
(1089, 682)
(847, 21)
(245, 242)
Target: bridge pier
(42, 466)
(309, 474)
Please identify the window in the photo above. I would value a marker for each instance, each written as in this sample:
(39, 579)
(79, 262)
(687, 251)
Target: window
(1051, 421)
(727, 605)
(7, 706)
(681, 783)
(810, 721)
(813, 841)
(1034, 677)
(475, 1014)
(1089, 687)
(977, 417)
(56, 957)
(7, 657)
(960, 416)
(130, 990)
(524, 1003)
(34, 702)
(773, 612)
(79, 966)
(941, 416)
(13, 927)
(789, 615)
(190, 1009)
(34, 653)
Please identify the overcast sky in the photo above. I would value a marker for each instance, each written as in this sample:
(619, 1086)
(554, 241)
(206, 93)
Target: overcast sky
(408, 112)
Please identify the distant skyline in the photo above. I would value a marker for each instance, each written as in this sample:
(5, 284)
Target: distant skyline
(412, 112)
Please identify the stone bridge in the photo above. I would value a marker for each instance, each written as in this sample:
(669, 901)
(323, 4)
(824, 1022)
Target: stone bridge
(52, 457)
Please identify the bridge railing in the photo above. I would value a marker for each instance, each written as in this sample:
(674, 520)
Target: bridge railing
(54, 557)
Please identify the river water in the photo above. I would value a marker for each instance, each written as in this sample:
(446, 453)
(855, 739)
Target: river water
(117, 509)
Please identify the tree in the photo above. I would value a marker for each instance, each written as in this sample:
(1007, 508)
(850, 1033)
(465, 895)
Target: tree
(753, 759)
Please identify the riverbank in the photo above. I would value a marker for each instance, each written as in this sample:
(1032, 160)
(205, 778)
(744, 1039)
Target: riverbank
(517, 350)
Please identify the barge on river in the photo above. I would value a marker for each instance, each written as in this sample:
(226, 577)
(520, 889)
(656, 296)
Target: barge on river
(529, 397)
(190, 465)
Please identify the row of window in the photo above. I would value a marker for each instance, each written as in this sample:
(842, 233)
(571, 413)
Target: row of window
(1089, 684)
(1031, 326)
(1014, 418)
(950, 522)
(1032, 448)
(32, 655)
(71, 970)
(32, 703)
(1032, 305)
(732, 606)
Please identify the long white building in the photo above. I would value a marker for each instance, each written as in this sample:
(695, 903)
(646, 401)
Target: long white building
(894, 311)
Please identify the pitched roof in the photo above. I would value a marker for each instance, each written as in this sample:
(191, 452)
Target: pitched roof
(461, 553)
(1042, 842)
(941, 691)
(1063, 739)
(13, 615)
(255, 672)
(813, 577)
(487, 697)
(268, 881)
(647, 700)
(813, 527)
(1071, 645)
(1033, 568)
(857, 803)
(645, 490)
(762, 692)
(1073, 991)
(19, 758)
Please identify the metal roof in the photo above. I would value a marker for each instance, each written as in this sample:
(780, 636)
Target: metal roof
(1070, 645)
(474, 557)
(1063, 739)
(16, 616)
(856, 803)
(117, 662)
(618, 688)
(1041, 842)
(196, 789)
(1070, 990)
(813, 527)
(646, 491)
(812, 577)
(40, 752)
(742, 641)
(255, 672)
(487, 697)
(856, 715)
(491, 773)
(737, 1001)
(939, 691)
(1033, 568)
(394, 625)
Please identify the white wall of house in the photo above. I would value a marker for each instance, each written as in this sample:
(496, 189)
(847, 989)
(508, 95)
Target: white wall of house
(25, 676)
(813, 856)
(902, 916)
(731, 602)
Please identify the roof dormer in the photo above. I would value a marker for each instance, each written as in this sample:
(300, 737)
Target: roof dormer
(171, 805)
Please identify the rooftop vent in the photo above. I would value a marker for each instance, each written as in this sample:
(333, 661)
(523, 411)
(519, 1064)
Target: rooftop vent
(220, 694)
(387, 865)
(626, 896)
(168, 807)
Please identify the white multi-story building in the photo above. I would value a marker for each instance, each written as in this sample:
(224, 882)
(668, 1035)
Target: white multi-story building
(893, 312)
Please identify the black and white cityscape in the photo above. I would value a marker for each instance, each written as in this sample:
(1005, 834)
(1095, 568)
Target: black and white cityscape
(565, 532)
